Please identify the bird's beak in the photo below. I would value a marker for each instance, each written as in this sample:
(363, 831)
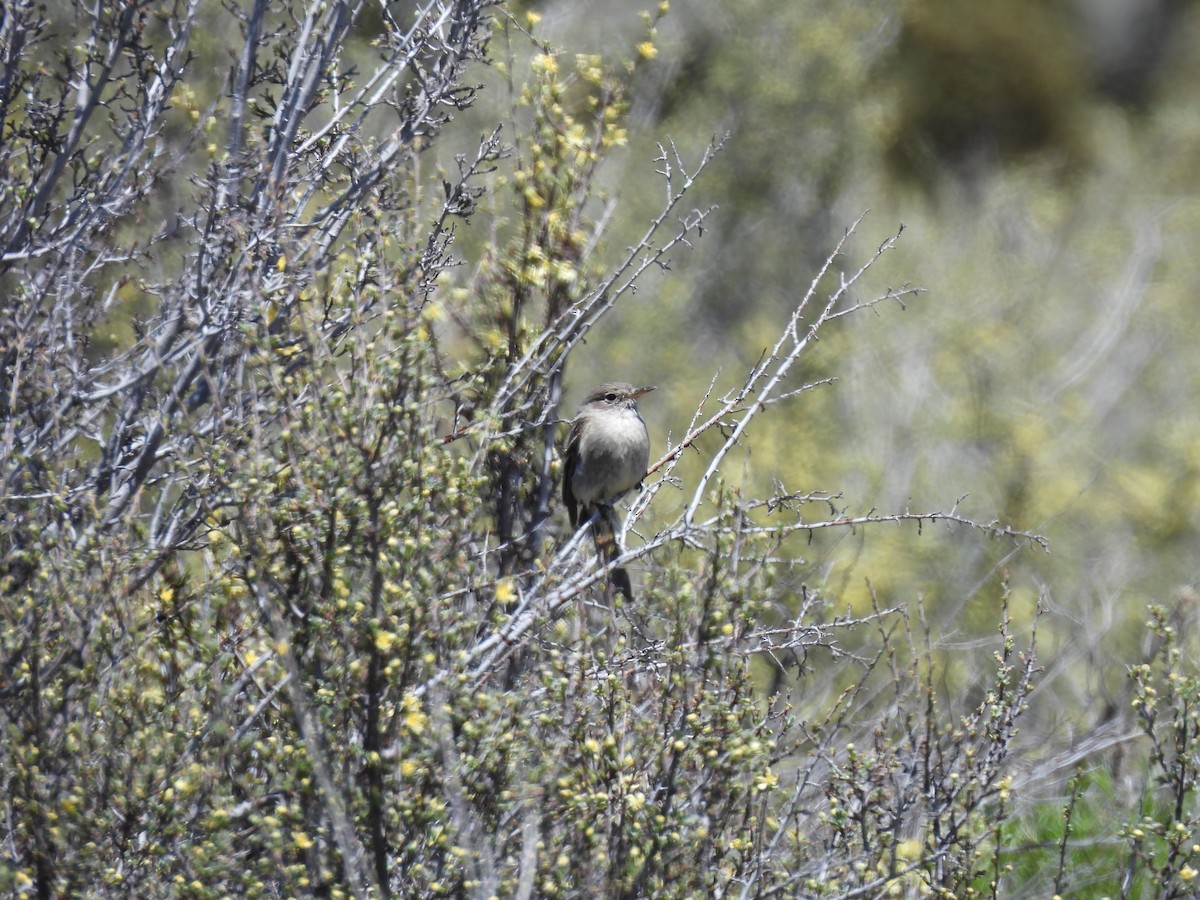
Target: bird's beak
(643, 390)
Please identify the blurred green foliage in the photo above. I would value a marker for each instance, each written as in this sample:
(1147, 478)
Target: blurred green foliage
(1049, 372)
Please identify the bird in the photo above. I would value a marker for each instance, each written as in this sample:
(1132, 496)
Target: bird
(608, 450)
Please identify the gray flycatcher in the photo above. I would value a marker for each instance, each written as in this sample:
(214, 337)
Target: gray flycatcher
(607, 454)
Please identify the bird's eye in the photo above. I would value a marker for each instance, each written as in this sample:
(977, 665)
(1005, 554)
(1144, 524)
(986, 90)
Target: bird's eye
(610, 397)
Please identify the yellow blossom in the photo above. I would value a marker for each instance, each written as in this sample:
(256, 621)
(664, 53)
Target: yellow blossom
(647, 50)
(153, 695)
(384, 641)
(302, 840)
(533, 198)
(766, 781)
(589, 67)
(544, 64)
(506, 592)
(415, 719)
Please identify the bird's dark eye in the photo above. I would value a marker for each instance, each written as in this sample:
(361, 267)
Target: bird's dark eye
(610, 397)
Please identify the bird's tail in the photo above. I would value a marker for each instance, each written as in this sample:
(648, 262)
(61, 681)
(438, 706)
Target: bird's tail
(604, 531)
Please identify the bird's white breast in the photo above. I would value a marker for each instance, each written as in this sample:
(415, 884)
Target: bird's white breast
(618, 450)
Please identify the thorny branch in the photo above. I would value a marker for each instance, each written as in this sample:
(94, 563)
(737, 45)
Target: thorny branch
(218, 283)
(549, 594)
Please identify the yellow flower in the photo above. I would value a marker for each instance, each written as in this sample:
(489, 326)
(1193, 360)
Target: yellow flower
(415, 719)
(544, 64)
(302, 840)
(153, 695)
(647, 50)
(589, 67)
(384, 641)
(505, 591)
(533, 198)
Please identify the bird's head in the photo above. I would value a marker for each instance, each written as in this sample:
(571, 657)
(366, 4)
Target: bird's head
(614, 395)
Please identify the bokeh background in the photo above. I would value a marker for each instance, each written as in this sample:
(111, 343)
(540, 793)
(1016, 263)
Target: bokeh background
(1044, 161)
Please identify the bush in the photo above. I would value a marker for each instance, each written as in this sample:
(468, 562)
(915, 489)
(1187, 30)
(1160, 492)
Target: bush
(287, 609)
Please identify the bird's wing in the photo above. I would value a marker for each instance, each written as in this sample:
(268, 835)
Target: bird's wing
(572, 460)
